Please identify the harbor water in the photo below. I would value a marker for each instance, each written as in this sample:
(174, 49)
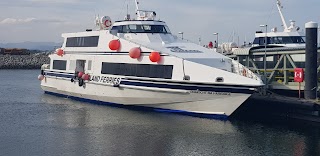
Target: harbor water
(33, 123)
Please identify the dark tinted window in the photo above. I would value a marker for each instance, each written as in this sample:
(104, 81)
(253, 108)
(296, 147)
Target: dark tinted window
(279, 40)
(138, 70)
(90, 41)
(59, 64)
(118, 28)
(256, 41)
(136, 28)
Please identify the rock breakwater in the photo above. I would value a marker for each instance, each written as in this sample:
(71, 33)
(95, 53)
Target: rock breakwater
(33, 61)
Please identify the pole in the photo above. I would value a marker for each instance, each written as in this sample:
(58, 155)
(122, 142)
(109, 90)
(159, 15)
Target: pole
(265, 61)
(318, 37)
(311, 86)
(299, 90)
(217, 40)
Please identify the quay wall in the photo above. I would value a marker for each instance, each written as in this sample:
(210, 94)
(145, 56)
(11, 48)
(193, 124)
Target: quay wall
(32, 61)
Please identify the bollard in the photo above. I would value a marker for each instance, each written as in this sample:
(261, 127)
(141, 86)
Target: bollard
(311, 82)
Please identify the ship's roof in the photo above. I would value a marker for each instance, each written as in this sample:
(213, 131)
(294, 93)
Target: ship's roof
(275, 34)
(149, 22)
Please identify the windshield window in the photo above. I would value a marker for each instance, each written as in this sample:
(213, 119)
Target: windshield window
(280, 40)
(134, 28)
(167, 29)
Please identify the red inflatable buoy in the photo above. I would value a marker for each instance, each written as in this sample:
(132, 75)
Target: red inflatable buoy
(80, 74)
(59, 52)
(114, 44)
(135, 52)
(85, 77)
(40, 77)
(154, 57)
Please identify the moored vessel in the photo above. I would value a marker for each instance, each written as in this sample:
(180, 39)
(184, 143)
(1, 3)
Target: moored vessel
(138, 62)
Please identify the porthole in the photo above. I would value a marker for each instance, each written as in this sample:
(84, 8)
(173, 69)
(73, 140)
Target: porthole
(219, 79)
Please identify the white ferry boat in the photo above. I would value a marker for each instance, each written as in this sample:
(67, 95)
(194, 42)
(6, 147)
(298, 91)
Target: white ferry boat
(138, 62)
(290, 37)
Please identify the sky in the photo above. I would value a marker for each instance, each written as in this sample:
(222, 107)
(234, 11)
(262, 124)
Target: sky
(233, 20)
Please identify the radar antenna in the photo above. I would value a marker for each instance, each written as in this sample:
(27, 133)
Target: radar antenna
(144, 14)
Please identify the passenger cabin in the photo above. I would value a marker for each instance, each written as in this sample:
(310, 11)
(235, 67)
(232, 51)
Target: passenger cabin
(90, 52)
(281, 39)
(88, 46)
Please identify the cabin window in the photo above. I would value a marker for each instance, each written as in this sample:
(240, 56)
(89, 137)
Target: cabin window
(138, 28)
(59, 65)
(137, 70)
(90, 41)
(280, 40)
(167, 29)
(89, 65)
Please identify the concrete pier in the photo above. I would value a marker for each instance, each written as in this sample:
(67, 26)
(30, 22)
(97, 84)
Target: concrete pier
(311, 81)
(277, 107)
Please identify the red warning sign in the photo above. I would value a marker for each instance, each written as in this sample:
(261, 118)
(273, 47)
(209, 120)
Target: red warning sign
(298, 74)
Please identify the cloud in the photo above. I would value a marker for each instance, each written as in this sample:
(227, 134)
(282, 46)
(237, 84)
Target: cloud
(29, 20)
(55, 1)
(17, 21)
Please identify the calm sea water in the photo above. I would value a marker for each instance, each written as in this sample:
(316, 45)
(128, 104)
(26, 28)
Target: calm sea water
(33, 123)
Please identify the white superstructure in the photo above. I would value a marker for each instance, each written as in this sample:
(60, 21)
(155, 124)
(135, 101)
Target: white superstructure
(290, 36)
(140, 63)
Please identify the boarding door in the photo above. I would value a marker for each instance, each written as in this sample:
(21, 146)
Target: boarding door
(80, 65)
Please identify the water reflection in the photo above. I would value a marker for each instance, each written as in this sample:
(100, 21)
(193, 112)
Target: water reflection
(33, 123)
(103, 129)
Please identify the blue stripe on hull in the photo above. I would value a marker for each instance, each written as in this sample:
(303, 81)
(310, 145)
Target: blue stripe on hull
(184, 87)
(143, 108)
(59, 75)
(190, 87)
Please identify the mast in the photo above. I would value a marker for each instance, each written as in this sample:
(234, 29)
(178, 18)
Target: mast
(137, 8)
(281, 15)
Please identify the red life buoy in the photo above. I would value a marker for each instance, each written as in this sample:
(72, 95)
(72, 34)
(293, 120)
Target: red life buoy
(107, 23)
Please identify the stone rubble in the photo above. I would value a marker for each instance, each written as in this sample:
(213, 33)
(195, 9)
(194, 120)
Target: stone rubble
(33, 61)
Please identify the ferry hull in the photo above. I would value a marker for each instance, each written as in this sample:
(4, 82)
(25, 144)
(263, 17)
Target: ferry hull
(176, 100)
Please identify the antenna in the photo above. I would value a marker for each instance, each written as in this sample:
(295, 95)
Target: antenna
(281, 15)
(127, 9)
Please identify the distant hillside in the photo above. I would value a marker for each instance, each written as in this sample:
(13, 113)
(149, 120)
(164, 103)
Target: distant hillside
(42, 46)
